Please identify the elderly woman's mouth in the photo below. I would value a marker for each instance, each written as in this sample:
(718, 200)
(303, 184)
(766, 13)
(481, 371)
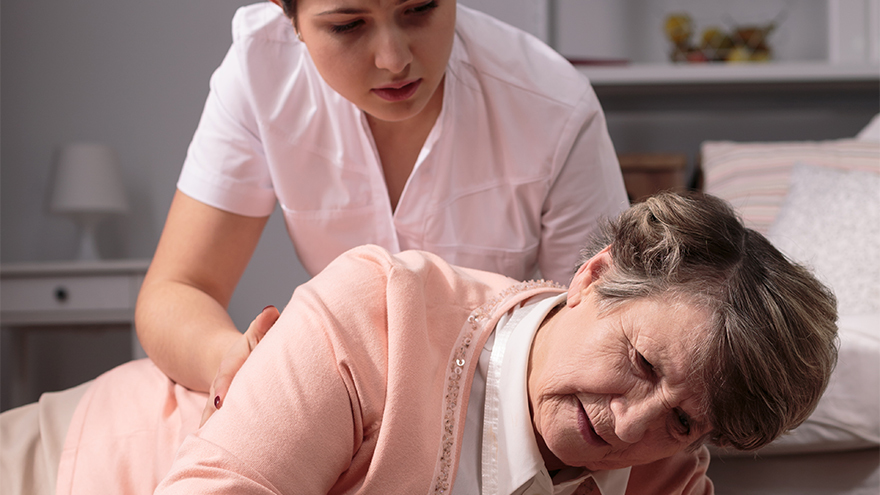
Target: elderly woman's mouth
(586, 428)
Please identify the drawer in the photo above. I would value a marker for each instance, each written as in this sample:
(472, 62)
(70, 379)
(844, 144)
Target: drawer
(47, 294)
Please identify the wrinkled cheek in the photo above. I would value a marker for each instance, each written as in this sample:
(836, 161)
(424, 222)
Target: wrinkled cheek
(547, 418)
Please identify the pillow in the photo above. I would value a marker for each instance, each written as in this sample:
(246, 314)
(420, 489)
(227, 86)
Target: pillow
(754, 177)
(848, 414)
(830, 221)
(871, 132)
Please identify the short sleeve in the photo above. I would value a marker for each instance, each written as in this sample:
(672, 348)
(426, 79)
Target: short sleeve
(225, 165)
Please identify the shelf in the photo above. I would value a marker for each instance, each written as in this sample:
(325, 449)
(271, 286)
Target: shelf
(710, 74)
(73, 267)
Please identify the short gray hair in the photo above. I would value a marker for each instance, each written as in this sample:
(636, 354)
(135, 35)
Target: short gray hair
(773, 334)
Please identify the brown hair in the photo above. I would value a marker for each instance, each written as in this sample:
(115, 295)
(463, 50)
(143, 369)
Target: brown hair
(773, 336)
(289, 7)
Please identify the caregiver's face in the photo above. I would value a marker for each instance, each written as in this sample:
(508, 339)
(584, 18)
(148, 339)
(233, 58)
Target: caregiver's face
(612, 390)
(388, 57)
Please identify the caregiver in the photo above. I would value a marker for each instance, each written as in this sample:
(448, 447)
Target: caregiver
(409, 124)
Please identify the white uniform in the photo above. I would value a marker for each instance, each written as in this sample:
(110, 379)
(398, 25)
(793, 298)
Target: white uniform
(516, 172)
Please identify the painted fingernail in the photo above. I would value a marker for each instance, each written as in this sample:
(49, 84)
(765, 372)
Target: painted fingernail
(217, 402)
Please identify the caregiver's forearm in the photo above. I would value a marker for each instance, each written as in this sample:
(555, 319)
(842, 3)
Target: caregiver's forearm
(184, 331)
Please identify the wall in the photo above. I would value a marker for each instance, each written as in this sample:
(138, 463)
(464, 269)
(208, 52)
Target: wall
(129, 74)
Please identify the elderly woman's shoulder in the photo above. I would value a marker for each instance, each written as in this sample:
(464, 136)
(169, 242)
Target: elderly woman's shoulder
(372, 272)
(373, 265)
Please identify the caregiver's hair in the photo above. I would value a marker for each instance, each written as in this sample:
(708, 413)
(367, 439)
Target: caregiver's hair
(289, 7)
(772, 338)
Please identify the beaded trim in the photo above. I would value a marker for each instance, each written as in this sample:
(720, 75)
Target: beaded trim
(457, 369)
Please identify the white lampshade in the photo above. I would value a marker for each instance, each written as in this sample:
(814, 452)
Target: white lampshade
(86, 187)
(87, 180)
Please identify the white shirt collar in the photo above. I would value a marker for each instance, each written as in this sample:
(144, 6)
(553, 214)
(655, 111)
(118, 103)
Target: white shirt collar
(511, 461)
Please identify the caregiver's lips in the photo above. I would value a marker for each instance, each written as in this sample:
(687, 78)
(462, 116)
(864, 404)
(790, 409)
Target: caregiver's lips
(586, 428)
(398, 91)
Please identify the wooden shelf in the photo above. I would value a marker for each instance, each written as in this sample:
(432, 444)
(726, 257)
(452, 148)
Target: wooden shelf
(639, 74)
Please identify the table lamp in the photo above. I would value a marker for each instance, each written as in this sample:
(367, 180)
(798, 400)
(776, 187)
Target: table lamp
(87, 188)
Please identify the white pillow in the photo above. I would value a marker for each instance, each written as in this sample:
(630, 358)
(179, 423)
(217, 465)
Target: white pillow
(830, 221)
(848, 414)
(871, 132)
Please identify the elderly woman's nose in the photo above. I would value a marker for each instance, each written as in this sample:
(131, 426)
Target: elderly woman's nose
(634, 416)
(392, 51)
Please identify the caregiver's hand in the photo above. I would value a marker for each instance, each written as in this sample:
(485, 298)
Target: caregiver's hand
(235, 357)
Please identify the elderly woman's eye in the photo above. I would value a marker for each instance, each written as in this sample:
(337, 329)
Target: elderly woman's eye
(645, 363)
(684, 422)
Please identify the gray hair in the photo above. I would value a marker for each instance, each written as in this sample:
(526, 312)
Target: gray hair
(773, 334)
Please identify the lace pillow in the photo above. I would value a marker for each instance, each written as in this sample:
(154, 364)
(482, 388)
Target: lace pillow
(830, 221)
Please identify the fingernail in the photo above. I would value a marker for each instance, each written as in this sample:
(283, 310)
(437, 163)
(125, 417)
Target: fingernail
(267, 307)
(217, 402)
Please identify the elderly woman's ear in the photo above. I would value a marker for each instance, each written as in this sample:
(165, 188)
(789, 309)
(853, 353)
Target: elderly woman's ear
(588, 273)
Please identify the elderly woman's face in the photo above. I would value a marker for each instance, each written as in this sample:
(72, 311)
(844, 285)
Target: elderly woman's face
(388, 57)
(609, 390)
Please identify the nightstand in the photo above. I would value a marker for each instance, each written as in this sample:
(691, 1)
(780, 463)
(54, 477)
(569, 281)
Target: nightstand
(75, 297)
(645, 174)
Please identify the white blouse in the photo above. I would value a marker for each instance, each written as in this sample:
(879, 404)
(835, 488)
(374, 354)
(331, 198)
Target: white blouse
(499, 454)
(515, 174)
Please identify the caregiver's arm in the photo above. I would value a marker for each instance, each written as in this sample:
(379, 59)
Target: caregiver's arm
(181, 315)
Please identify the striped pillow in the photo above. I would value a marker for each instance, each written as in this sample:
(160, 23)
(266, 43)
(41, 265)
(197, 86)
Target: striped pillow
(754, 177)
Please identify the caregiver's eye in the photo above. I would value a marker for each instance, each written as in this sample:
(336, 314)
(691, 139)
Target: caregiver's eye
(424, 8)
(347, 27)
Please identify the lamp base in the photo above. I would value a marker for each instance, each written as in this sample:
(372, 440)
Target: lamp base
(88, 247)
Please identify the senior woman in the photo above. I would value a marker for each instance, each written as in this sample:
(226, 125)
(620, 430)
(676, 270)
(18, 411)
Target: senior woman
(404, 374)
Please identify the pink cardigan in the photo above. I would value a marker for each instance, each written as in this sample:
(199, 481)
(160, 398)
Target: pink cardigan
(360, 387)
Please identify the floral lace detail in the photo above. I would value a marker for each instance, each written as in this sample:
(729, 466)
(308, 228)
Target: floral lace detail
(457, 369)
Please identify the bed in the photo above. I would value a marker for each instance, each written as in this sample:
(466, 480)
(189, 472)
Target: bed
(818, 202)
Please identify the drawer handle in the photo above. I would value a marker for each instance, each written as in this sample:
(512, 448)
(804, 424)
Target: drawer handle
(61, 294)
